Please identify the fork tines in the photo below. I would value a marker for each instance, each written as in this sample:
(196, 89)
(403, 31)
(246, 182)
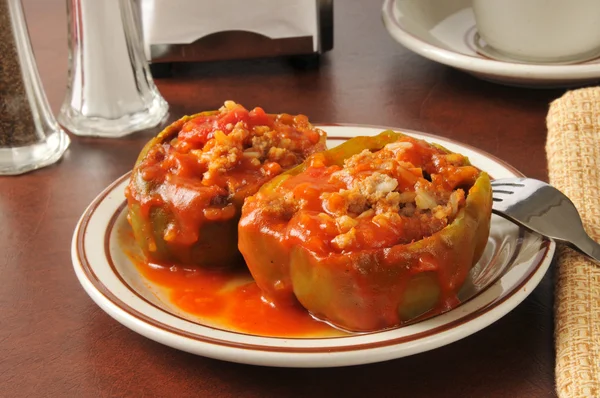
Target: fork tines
(506, 184)
(504, 191)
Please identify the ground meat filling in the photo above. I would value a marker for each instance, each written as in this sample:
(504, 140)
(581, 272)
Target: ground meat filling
(377, 199)
(238, 145)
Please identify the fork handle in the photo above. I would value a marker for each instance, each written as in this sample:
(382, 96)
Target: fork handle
(588, 246)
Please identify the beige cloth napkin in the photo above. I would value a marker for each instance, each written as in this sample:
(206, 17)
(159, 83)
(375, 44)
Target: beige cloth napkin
(573, 151)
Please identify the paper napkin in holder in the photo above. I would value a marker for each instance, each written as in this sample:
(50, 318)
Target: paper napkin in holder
(573, 152)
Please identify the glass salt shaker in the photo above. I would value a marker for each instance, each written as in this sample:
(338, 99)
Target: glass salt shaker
(111, 92)
(30, 138)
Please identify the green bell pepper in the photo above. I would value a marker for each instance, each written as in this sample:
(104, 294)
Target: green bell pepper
(175, 217)
(370, 289)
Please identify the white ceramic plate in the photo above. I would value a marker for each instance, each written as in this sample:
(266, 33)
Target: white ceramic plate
(444, 31)
(512, 265)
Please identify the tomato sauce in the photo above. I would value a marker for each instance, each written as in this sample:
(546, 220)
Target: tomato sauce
(315, 195)
(231, 299)
(228, 299)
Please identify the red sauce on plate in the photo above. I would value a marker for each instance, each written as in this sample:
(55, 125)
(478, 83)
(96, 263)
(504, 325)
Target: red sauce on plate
(232, 300)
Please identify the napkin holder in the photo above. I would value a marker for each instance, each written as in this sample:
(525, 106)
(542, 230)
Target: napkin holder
(205, 30)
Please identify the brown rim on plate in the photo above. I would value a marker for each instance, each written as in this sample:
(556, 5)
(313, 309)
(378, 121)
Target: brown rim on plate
(111, 297)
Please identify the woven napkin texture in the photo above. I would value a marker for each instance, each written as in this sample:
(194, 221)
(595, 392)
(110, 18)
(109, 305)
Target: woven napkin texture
(573, 151)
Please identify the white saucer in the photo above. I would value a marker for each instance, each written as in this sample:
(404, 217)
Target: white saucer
(444, 31)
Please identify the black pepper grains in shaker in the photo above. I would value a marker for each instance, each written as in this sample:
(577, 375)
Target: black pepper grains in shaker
(16, 120)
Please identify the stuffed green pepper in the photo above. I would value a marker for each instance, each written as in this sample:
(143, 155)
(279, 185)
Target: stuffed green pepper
(189, 183)
(371, 234)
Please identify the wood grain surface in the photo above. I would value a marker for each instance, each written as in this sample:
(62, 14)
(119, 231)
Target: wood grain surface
(54, 341)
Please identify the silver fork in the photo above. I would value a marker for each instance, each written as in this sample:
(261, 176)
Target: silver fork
(543, 209)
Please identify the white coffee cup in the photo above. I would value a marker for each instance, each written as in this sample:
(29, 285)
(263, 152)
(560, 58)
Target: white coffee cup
(540, 30)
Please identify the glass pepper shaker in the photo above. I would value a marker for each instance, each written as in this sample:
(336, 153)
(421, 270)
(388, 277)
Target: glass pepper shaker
(30, 137)
(111, 92)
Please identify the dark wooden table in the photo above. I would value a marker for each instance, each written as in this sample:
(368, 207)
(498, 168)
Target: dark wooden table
(54, 341)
